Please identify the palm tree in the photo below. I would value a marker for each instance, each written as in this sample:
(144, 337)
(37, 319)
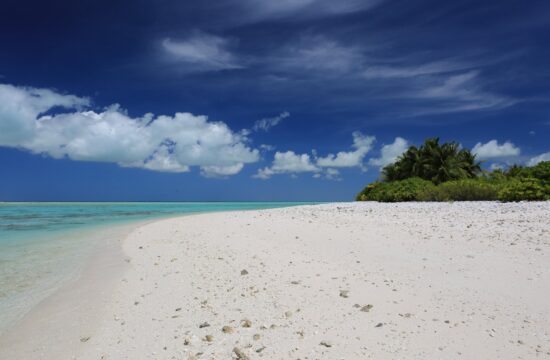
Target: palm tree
(435, 162)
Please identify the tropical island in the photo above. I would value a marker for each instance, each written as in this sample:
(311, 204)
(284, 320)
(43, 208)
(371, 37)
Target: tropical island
(447, 172)
(178, 180)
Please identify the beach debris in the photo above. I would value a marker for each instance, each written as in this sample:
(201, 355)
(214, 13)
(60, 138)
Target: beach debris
(84, 339)
(344, 293)
(186, 342)
(209, 338)
(240, 354)
(178, 309)
(245, 323)
(379, 325)
(244, 272)
(228, 329)
(203, 325)
(325, 343)
(259, 350)
(367, 308)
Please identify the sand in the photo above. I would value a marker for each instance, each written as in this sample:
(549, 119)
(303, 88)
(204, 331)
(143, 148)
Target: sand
(336, 281)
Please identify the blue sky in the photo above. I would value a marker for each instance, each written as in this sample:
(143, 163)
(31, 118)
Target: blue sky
(260, 100)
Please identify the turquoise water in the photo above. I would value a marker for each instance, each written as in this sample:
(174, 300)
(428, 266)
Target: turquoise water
(43, 245)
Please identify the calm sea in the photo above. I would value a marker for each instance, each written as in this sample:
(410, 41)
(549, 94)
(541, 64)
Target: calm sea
(43, 245)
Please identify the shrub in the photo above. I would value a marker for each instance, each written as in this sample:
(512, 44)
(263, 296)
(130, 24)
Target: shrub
(519, 189)
(395, 191)
(461, 190)
(366, 193)
(540, 171)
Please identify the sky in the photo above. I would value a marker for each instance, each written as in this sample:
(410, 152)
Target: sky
(289, 100)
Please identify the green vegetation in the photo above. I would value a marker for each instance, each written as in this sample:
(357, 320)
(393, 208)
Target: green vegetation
(400, 190)
(445, 172)
(434, 162)
(526, 188)
(461, 190)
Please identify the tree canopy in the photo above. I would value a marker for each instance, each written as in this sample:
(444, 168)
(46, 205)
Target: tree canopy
(434, 162)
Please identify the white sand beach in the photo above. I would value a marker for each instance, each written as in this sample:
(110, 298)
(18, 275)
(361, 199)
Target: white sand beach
(335, 281)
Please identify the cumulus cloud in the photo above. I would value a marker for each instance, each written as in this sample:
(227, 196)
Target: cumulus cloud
(203, 52)
(497, 166)
(267, 147)
(390, 152)
(492, 150)
(291, 163)
(539, 158)
(333, 174)
(267, 123)
(158, 143)
(287, 163)
(361, 143)
(19, 108)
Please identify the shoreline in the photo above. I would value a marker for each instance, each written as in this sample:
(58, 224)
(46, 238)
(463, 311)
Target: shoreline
(443, 280)
(74, 303)
(88, 281)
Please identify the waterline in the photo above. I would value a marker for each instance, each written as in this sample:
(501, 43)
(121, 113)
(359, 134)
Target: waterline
(44, 245)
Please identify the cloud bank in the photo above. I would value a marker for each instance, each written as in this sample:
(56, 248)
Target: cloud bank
(158, 143)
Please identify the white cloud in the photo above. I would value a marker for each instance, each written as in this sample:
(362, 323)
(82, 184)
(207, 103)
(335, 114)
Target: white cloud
(264, 10)
(203, 52)
(318, 54)
(264, 173)
(20, 106)
(221, 171)
(390, 152)
(459, 93)
(537, 159)
(361, 143)
(438, 87)
(430, 68)
(161, 143)
(333, 174)
(291, 163)
(287, 163)
(497, 166)
(492, 149)
(267, 123)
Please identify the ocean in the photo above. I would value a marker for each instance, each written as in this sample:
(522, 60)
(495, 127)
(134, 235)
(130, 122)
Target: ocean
(45, 245)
